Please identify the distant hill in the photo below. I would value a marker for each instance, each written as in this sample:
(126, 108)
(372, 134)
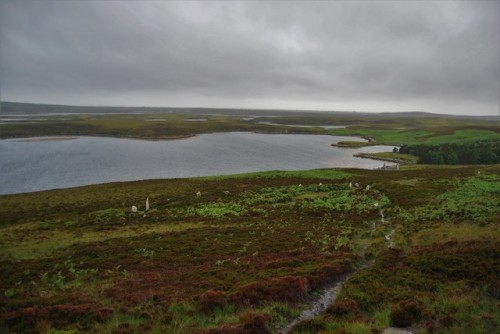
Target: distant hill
(34, 108)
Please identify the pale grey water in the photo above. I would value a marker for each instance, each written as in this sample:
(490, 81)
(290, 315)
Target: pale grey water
(38, 165)
(326, 127)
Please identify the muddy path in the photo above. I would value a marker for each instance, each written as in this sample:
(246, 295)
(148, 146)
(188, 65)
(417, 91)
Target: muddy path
(330, 293)
(326, 297)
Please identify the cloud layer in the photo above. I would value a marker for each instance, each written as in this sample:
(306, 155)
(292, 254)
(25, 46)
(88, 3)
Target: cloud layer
(435, 56)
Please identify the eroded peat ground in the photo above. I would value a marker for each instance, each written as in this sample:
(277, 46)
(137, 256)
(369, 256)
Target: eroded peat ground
(250, 253)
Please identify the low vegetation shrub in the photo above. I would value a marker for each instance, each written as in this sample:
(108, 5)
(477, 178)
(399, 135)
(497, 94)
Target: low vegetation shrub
(210, 300)
(105, 218)
(255, 323)
(343, 308)
(357, 328)
(310, 326)
(405, 314)
(58, 315)
(215, 210)
(287, 288)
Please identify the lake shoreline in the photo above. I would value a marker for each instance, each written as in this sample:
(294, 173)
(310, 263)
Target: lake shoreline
(38, 138)
(373, 157)
(32, 164)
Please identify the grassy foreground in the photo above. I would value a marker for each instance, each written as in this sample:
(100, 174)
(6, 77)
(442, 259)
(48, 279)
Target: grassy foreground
(247, 254)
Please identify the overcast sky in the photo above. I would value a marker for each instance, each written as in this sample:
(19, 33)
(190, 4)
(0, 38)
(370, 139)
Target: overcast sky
(434, 56)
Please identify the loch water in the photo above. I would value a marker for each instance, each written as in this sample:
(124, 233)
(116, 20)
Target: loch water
(39, 164)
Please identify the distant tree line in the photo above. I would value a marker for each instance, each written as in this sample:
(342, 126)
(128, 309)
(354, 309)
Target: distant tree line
(479, 152)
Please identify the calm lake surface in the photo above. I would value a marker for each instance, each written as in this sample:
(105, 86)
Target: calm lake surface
(40, 164)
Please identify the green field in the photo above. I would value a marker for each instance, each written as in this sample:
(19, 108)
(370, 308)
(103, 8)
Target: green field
(249, 253)
(173, 123)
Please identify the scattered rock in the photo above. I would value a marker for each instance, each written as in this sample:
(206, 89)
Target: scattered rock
(394, 330)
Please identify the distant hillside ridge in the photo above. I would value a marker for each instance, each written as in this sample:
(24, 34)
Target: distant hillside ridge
(8, 107)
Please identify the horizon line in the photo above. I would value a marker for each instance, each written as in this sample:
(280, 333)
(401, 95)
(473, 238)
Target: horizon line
(249, 109)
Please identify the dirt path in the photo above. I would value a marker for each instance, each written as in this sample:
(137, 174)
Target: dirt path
(329, 294)
(388, 238)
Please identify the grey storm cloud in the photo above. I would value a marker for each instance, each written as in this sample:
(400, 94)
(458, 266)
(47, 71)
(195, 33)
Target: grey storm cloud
(436, 56)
